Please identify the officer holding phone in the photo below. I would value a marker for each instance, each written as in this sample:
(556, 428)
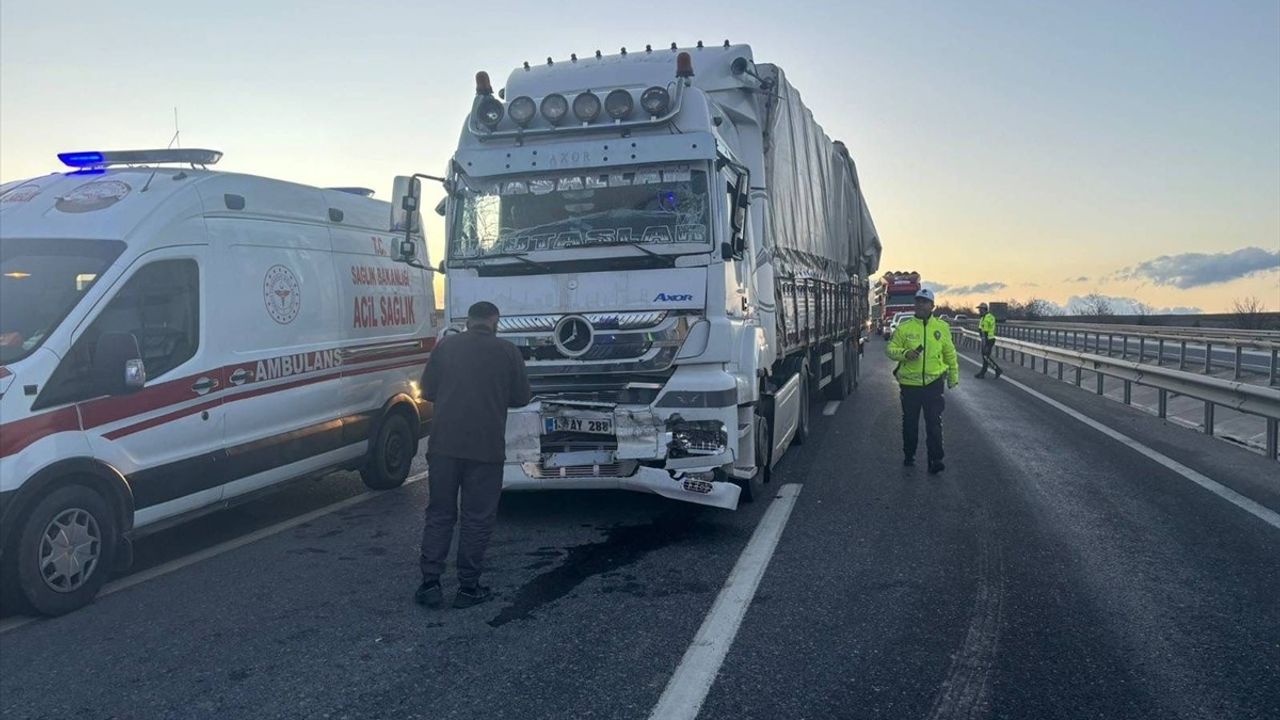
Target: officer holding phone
(927, 362)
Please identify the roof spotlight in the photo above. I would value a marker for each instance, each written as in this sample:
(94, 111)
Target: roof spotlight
(655, 101)
(586, 107)
(554, 108)
(522, 110)
(489, 111)
(619, 104)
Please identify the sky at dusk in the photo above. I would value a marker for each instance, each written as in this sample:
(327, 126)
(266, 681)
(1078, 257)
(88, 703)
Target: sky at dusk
(1007, 149)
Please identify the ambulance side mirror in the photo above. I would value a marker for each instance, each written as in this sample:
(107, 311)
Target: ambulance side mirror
(117, 364)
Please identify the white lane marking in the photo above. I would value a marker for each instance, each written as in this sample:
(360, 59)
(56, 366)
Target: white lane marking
(127, 582)
(696, 673)
(1258, 510)
(831, 408)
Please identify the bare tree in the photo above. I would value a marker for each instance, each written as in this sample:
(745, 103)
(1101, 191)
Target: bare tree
(1038, 308)
(1249, 312)
(1096, 305)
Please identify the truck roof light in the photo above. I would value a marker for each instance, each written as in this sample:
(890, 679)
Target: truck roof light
(554, 108)
(598, 55)
(573, 57)
(522, 110)
(699, 44)
(97, 159)
(684, 65)
(619, 104)
(655, 101)
(483, 86)
(673, 47)
(586, 107)
(489, 111)
(648, 48)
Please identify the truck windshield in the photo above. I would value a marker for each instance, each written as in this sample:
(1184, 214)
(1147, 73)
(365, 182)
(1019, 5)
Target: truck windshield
(653, 206)
(40, 281)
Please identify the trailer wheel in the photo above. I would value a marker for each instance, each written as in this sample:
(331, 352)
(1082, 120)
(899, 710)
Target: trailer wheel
(839, 387)
(391, 455)
(64, 550)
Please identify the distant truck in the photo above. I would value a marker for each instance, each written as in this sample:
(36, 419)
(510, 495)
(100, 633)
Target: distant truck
(679, 251)
(999, 309)
(894, 293)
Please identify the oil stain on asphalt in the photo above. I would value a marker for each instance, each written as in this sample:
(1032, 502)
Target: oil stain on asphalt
(622, 545)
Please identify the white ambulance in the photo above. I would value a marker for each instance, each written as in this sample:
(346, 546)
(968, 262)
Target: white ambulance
(174, 339)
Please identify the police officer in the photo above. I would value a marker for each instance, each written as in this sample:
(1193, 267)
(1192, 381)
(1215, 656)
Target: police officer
(987, 327)
(927, 361)
(473, 378)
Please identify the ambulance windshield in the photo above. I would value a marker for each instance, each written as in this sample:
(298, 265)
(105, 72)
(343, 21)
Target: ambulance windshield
(40, 282)
(656, 206)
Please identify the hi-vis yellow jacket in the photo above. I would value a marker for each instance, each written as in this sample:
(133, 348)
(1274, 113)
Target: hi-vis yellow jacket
(938, 357)
(987, 325)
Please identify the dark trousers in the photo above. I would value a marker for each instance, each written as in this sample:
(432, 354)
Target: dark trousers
(928, 399)
(988, 360)
(480, 484)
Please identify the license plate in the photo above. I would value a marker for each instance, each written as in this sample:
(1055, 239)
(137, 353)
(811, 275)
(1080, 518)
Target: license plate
(590, 426)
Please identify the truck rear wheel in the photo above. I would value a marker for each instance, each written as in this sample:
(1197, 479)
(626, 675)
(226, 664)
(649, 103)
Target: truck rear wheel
(806, 397)
(391, 455)
(64, 550)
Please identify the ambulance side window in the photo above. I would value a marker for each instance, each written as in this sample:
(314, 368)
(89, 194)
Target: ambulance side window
(160, 305)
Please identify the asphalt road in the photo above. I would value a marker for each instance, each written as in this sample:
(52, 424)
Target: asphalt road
(1050, 572)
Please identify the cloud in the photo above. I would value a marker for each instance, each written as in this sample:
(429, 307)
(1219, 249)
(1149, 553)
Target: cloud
(1078, 304)
(936, 287)
(1190, 270)
(1081, 279)
(975, 289)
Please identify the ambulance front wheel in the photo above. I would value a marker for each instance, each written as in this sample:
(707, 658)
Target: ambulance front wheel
(64, 551)
(391, 455)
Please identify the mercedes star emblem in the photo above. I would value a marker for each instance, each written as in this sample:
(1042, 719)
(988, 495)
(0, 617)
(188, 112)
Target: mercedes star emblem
(574, 336)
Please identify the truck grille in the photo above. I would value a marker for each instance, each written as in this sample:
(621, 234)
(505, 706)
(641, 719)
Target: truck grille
(611, 470)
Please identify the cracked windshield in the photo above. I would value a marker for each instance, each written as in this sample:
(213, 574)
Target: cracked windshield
(652, 206)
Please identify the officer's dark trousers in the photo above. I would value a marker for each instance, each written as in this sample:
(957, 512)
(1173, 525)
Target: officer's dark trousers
(988, 360)
(927, 399)
(480, 485)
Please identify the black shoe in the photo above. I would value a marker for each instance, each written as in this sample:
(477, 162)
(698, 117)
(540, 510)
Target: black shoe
(429, 595)
(999, 372)
(936, 466)
(981, 375)
(908, 462)
(469, 597)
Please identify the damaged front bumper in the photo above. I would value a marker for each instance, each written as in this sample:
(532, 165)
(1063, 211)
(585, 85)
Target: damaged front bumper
(557, 445)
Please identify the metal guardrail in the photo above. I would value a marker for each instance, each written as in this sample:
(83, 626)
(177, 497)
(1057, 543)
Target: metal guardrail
(1153, 342)
(1214, 392)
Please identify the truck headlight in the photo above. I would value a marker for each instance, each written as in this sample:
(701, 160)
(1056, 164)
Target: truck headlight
(696, 437)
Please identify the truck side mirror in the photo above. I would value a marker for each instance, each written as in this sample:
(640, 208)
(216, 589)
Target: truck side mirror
(406, 196)
(117, 363)
(440, 207)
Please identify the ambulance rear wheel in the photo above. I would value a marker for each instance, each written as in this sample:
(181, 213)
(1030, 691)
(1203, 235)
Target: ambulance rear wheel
(64, 551)
(392, 454)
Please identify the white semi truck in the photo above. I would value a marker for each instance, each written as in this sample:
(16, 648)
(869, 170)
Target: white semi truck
(680, 253)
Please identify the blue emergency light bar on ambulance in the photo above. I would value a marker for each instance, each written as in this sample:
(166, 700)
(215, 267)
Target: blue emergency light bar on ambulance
(173, 339)
(680, 254)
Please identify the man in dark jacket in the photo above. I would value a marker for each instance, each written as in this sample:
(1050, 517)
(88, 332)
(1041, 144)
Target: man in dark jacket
(472, 378)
